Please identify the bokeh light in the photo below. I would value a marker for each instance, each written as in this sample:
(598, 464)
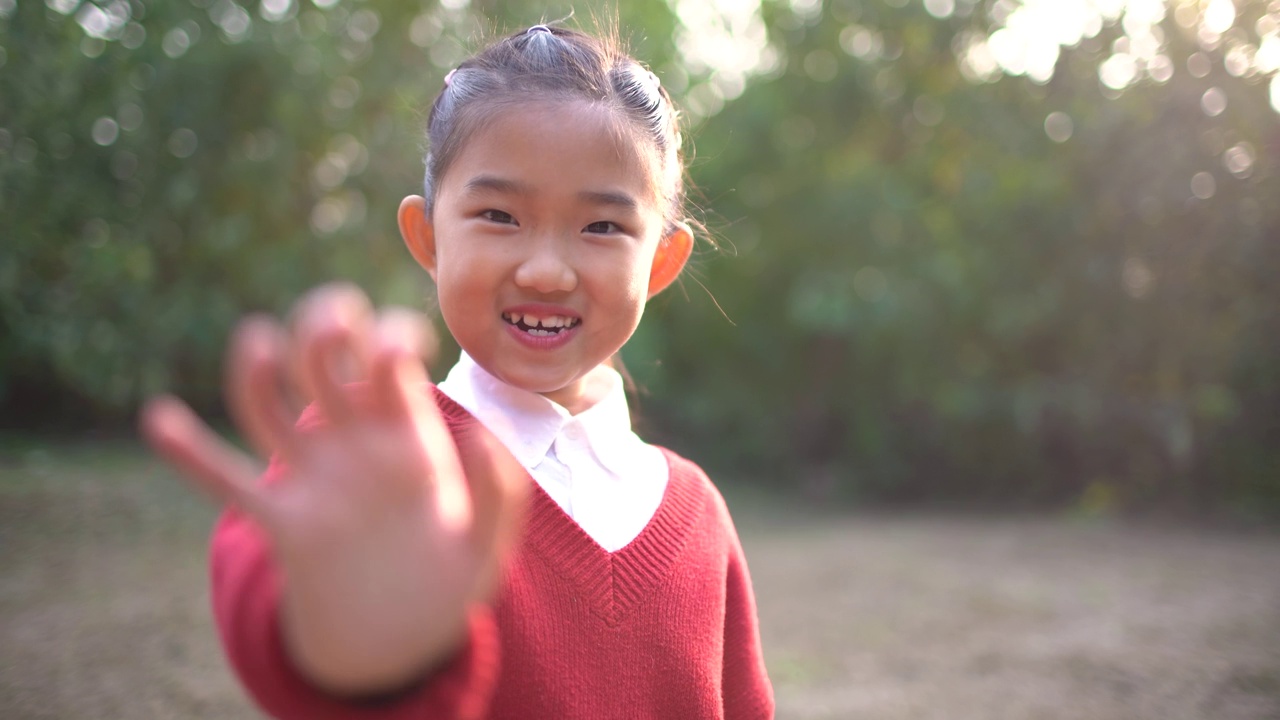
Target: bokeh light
(182, 142)
(1203, 185)
(105, 131)
(1058, 126)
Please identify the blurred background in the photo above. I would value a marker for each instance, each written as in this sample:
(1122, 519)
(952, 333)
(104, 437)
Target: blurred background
(969, 251)
(1014, 260)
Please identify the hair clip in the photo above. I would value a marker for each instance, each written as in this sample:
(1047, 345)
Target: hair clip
(449, 77)
(538, 28)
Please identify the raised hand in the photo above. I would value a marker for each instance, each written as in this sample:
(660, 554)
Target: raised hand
(386, 529)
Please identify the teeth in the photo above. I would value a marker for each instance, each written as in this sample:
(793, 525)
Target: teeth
(533, 321)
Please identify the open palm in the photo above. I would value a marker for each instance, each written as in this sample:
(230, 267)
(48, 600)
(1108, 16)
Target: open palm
(385, 525)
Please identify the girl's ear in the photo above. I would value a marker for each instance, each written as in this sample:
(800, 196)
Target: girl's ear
(418, 232)
(673, 252)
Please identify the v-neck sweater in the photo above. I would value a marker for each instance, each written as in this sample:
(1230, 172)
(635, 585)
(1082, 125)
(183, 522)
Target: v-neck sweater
(662, 628)
(591, 463)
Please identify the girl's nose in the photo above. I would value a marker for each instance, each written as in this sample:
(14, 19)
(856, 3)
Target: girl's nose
(546, 269)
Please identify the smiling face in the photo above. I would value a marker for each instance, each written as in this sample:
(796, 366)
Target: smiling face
(545, 240)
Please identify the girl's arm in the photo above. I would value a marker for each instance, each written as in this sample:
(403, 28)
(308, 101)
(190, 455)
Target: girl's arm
(246, 584)
(359, 557)
(748, 694)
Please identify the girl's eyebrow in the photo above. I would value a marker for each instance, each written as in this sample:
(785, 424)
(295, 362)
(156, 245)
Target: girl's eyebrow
(493, 183)
(620, 200)
(496, 184)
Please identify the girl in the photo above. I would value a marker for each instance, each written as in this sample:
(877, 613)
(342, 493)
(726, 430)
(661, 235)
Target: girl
(396, 561)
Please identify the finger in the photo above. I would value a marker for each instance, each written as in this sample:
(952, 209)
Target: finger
(444, 466)
(397, 377)
(499, 487)
(254, 387)
(401, 392)
(331, 345)
(218, 469)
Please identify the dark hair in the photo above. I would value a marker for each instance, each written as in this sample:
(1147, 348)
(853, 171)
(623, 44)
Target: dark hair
(554, 63)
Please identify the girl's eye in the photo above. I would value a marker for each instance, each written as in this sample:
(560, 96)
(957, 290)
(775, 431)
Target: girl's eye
(498, 216)
(603, 227)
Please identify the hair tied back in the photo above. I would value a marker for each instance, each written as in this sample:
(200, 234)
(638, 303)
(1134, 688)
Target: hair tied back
(546, 59)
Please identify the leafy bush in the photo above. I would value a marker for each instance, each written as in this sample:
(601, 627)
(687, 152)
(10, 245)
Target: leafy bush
(940, 281)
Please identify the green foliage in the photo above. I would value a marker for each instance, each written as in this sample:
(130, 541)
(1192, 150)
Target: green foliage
(926, 294)
(166, 167)
(939, 300)
(186, 170)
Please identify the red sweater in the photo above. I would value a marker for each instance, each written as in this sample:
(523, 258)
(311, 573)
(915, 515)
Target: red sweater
(663, 628)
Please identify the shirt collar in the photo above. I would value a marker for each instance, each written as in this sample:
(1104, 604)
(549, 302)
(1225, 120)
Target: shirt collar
(528, 423)
(607, 427)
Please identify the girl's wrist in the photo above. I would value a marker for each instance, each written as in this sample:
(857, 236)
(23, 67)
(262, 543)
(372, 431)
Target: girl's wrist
(370, 614)
(351, 658)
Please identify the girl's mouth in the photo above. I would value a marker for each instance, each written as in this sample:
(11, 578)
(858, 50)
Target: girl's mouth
(546, 326)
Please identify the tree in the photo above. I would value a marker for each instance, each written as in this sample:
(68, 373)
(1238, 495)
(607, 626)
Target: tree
(971, 248)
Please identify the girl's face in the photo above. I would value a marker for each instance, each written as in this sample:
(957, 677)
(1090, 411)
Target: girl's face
(545, 241)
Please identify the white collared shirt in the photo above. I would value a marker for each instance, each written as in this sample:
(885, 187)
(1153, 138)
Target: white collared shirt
(596, 469)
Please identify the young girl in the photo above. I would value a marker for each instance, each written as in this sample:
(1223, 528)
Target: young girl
(500, 545)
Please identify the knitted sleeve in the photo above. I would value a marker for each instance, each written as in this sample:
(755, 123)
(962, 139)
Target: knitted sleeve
(246, 592)
(748, 694)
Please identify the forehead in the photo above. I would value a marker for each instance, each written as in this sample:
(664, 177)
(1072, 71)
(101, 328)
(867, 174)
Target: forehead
(561, 145)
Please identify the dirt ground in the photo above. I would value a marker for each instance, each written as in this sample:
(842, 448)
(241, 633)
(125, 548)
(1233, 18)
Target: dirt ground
(103, 608)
